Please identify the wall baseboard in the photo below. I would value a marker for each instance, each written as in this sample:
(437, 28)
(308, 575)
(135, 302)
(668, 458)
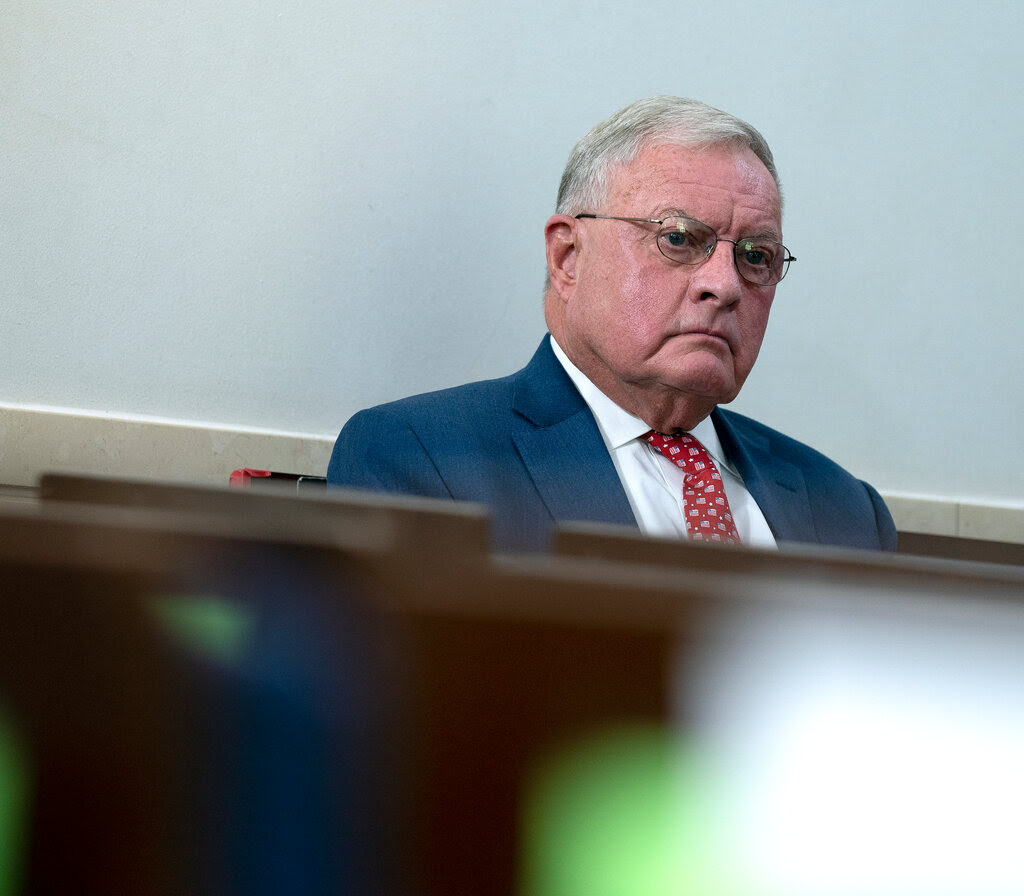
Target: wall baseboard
(961, 519)
(34, 441)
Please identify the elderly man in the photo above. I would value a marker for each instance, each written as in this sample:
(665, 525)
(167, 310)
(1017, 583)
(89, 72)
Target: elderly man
(663, 258)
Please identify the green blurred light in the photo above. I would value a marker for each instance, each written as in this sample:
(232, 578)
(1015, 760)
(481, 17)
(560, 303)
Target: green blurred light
(15, 784)
(626, 812)
(212, 625)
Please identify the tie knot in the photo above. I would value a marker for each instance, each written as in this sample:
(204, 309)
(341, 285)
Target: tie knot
(682, 449)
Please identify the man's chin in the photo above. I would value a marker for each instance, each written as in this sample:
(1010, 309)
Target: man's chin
(704, 375)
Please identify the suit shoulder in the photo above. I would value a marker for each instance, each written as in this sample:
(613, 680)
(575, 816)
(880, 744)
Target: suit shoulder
(844, 507)
(419, 430)
(451, 406)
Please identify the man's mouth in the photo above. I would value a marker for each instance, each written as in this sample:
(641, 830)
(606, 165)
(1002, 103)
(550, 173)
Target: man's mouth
(710, 334)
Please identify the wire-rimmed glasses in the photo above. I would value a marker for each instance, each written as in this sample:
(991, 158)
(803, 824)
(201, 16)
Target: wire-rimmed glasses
(688, 241)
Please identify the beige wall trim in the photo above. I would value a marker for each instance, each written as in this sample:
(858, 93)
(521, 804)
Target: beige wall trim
(936, 516)
(34, 441)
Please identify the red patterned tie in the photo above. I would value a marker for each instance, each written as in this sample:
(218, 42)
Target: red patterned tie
(705, 505)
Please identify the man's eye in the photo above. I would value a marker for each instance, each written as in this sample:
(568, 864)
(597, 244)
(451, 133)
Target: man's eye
(679, 238)
(757, 256)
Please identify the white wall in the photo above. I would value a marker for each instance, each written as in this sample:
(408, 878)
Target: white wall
(268, 215)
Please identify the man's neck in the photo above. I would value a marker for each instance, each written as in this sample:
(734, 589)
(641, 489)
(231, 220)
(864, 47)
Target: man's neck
(664, 410)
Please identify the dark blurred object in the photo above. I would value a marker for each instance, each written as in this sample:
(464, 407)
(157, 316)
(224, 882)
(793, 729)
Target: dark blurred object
(196, 713)
(82, 685)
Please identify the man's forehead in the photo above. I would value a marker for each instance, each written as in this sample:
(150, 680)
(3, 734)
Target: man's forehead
(673, 176)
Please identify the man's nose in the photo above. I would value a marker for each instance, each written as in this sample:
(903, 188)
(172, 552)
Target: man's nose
(718, 277)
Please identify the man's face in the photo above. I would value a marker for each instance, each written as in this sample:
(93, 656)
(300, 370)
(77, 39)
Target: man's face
(666, 341)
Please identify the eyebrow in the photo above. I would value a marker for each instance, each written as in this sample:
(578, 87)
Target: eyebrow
(768, 233)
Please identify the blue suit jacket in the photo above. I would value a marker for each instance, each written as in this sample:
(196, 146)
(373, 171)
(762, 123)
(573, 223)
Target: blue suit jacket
(528, 447)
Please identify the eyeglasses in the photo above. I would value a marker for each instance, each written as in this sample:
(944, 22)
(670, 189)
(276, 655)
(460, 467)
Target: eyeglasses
(689, 241)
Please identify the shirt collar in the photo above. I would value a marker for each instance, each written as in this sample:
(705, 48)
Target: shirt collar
(619, 427)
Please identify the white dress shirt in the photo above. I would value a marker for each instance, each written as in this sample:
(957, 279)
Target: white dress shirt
(654, 485)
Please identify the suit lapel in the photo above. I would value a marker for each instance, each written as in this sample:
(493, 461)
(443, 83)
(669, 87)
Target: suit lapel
(561, 446)
(562, 450)
(778, 487)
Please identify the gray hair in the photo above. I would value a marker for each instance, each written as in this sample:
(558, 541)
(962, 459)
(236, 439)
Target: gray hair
(668, 120)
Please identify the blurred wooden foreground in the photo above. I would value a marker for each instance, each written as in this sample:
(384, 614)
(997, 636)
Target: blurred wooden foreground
(232, 691)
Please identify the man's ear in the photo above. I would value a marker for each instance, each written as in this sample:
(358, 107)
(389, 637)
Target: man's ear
(560, 236)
